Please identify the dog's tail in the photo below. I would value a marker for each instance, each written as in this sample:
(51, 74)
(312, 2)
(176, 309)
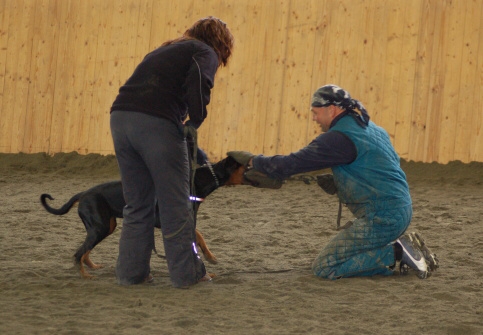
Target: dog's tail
(62, 210)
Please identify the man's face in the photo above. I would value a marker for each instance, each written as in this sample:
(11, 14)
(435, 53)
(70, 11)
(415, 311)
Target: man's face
(323, 116)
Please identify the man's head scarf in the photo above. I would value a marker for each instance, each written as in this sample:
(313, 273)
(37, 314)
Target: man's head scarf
(334, 95)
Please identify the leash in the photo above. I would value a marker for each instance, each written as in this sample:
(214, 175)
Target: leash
(230, 273)
(193, 133)
(307, 179)
(339, 216)
(190, 131)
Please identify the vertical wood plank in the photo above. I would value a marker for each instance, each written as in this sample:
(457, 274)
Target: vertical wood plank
(5, 11)
(453, 52)
(241, 93)
(352, 48)
(143, 30)
(5, 14)
(374, 60)
(468, 98)
(476, 128)
(319, 68)
(336, 30)
(403, 100)
(106, 76)
(24, 91)
(419, 127)
(253, 112)
(98, 87)
(270, 75)
(36, 137)
(62, 89)
(298, 65)
(17, 74)
(165, 23)
(394, 22)
(74, 74)
(435, 83)
(80, 57)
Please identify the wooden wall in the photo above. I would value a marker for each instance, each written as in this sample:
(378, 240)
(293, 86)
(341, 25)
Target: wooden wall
(417, 66)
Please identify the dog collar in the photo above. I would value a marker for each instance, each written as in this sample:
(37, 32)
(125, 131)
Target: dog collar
(193, 198)
(213, 173)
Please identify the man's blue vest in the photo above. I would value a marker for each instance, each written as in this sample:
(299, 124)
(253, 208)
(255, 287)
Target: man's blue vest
(375, 180)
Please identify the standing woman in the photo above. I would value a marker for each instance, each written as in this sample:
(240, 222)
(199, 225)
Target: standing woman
(147, 121)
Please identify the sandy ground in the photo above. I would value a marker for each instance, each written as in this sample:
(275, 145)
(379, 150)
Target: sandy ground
(265, 241)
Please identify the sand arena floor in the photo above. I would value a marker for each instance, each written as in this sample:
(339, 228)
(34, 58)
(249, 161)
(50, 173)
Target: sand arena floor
(265, 241)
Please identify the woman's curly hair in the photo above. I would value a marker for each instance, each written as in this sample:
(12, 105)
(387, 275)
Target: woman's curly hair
(213, 32)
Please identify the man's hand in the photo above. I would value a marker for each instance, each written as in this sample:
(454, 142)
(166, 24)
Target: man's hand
(242, 157)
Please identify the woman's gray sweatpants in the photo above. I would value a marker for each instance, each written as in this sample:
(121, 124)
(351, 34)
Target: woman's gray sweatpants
(153, 161)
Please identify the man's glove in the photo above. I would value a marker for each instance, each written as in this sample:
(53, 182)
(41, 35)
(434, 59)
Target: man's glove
(326, 182)
(242, 157)
(261, 180)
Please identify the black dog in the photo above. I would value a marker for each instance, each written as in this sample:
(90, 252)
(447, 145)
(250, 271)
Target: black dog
(100, 205)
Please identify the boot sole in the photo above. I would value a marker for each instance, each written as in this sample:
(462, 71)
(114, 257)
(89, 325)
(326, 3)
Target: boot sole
(431, 258)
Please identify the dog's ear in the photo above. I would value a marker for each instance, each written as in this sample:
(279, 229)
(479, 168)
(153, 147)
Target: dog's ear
(233, 171)
(230, 165)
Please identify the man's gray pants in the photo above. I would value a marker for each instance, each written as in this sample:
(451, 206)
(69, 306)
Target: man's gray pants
(153, 162)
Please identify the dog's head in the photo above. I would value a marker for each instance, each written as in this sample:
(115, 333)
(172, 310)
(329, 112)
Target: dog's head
(241, 175)
(223, 173)
(228, 172)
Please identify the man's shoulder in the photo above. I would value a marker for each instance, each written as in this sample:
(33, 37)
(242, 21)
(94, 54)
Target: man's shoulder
(334, 138)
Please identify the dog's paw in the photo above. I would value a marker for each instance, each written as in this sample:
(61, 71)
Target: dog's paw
(211, 259)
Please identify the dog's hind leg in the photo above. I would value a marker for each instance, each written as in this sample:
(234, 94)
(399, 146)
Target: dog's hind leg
(96, 216)
(204, 248)
(82, 259)
(82, 255)
(86, 260)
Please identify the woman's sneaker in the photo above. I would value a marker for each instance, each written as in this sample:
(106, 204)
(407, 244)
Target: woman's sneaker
(412, 257)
